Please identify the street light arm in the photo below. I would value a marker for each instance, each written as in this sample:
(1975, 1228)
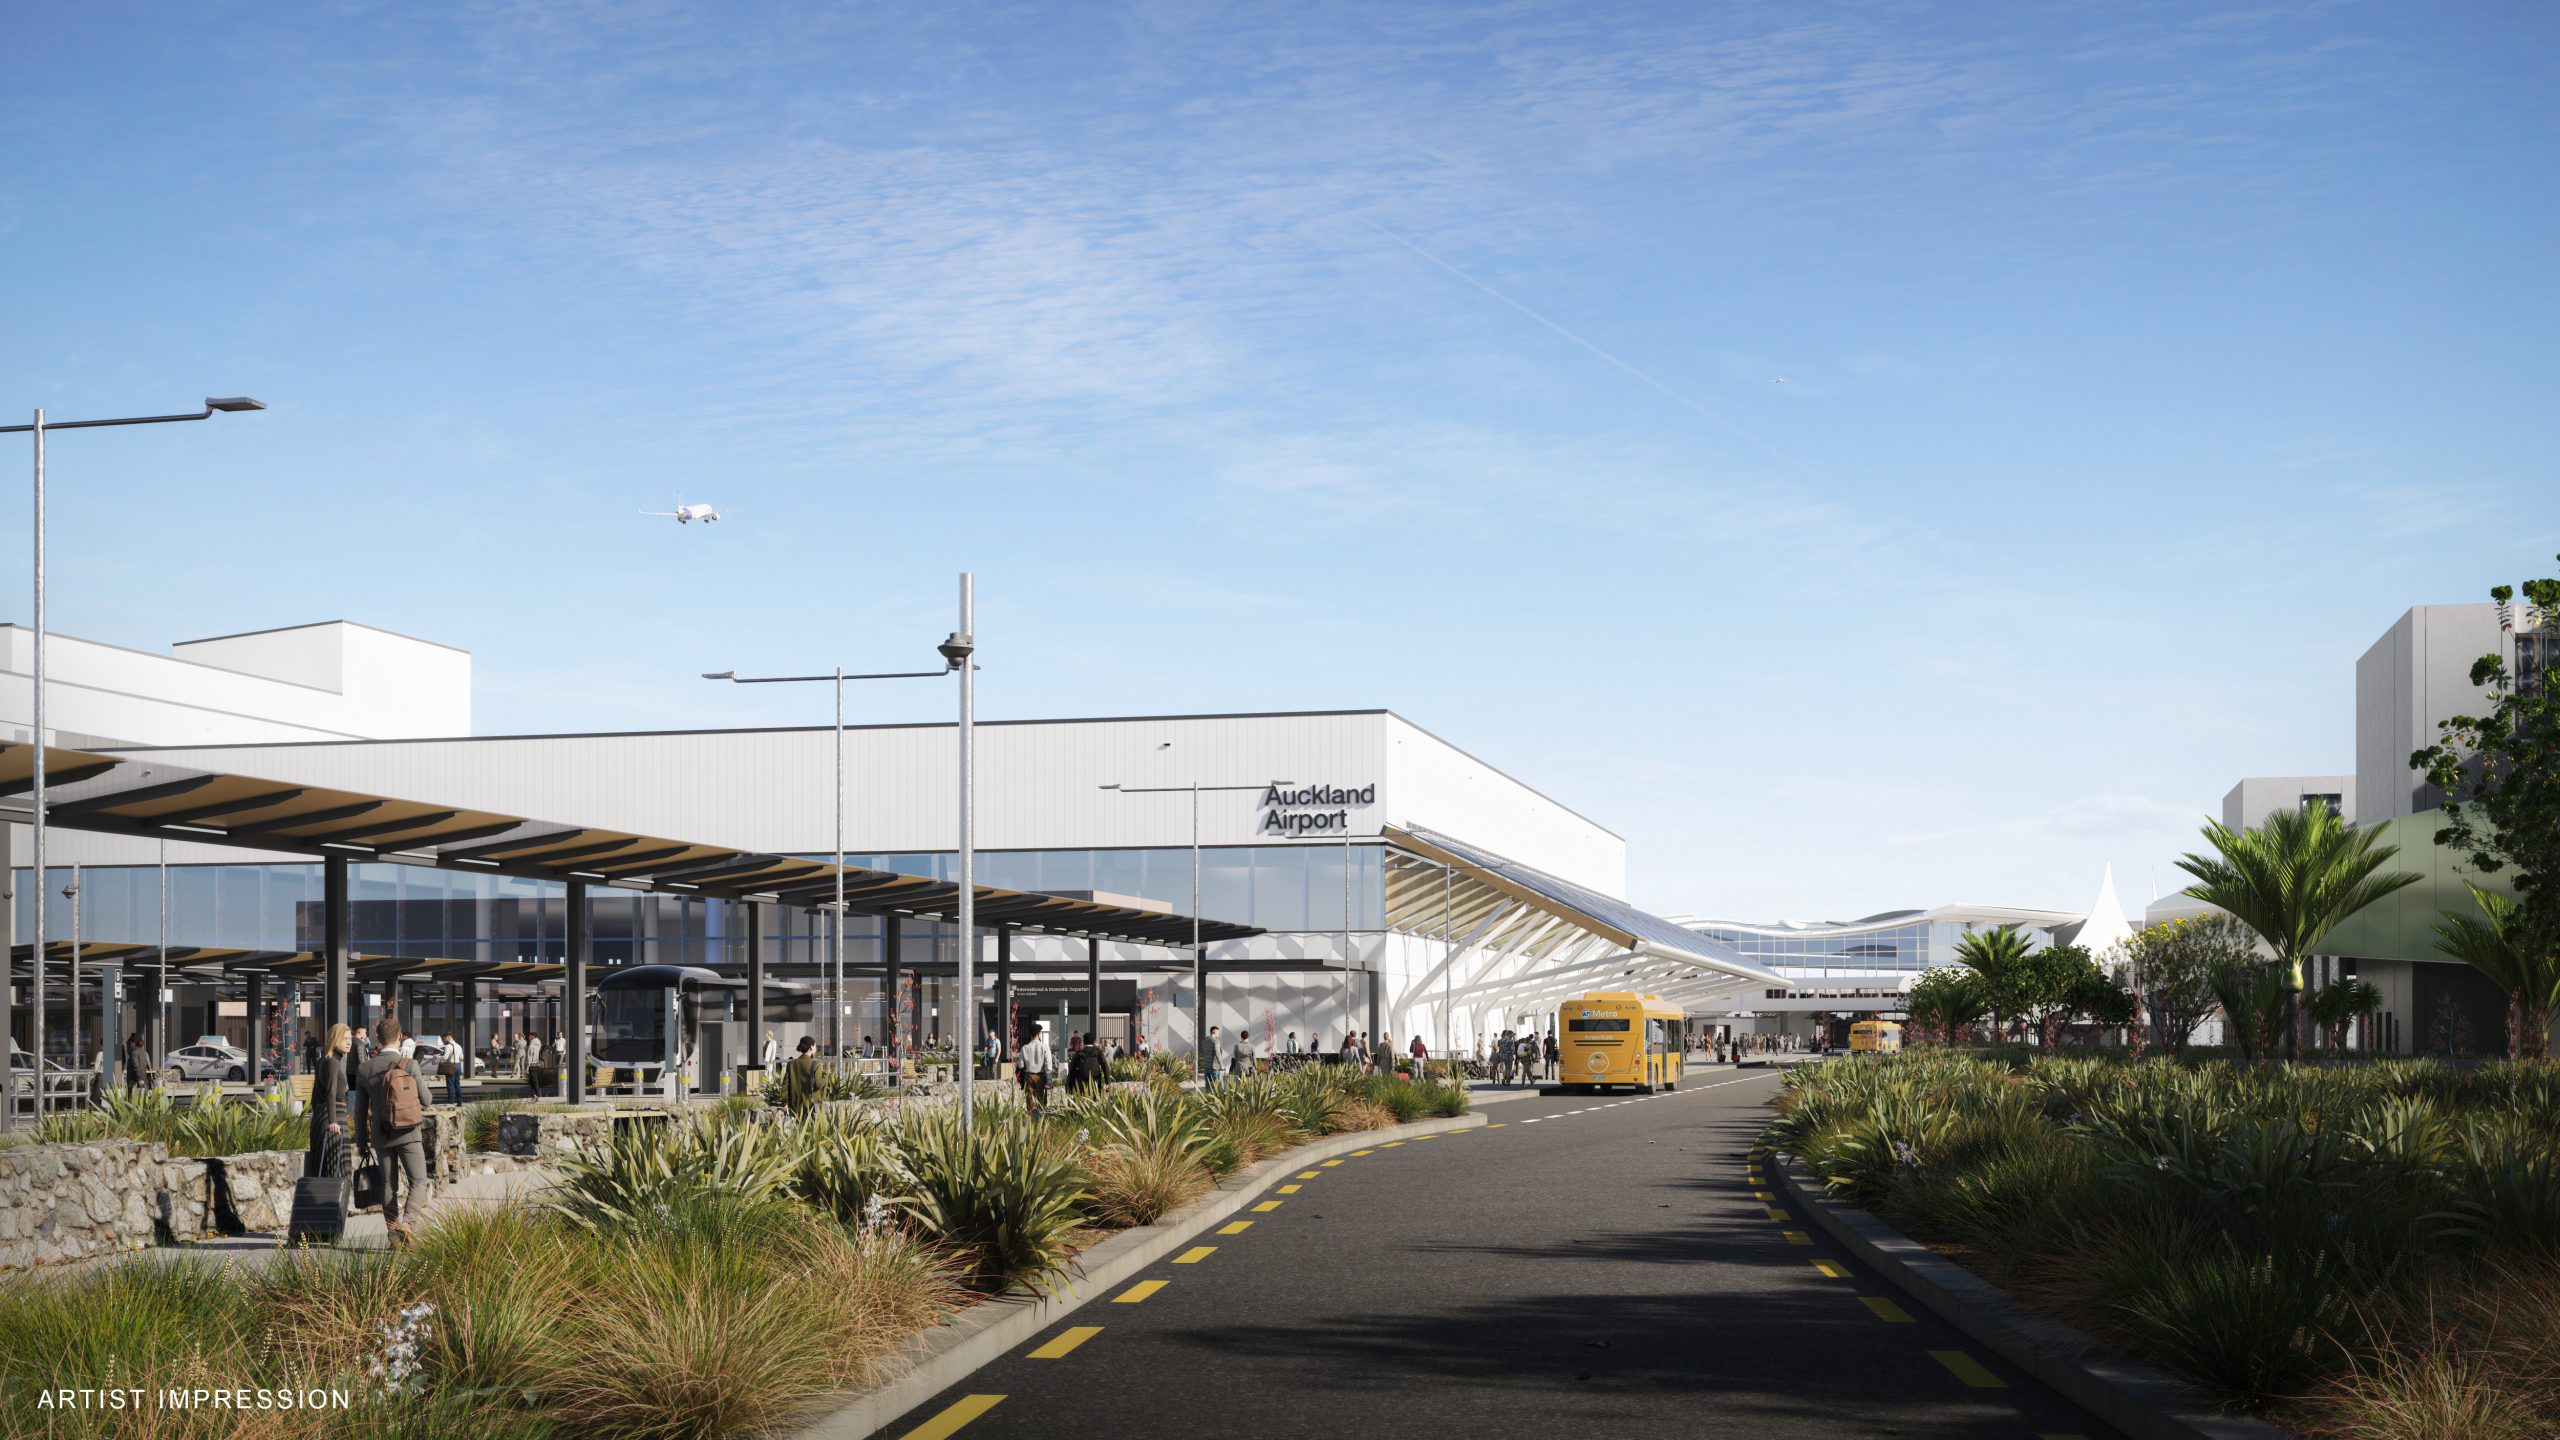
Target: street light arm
(237, 403)
(804, 679)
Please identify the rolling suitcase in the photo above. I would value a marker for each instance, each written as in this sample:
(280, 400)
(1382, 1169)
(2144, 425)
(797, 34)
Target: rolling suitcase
(320, 1201)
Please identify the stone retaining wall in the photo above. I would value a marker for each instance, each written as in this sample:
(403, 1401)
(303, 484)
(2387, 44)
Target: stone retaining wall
(73, 1202)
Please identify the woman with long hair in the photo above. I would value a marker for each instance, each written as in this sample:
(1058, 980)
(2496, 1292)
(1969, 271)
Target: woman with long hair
(328, 1108)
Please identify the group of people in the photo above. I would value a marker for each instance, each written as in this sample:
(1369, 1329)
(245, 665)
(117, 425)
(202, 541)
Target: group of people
(378, 1102)
(1087, 1066)
(1523, 1058)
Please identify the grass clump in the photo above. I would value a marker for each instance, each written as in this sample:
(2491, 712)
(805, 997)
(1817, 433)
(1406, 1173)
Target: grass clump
(208, 1124)
(2275, 1234)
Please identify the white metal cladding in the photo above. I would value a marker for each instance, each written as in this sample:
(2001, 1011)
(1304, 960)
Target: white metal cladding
(1038, 783)
(1442, 788)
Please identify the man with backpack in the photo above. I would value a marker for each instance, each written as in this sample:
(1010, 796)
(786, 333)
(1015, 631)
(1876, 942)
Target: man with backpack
(390, 1117)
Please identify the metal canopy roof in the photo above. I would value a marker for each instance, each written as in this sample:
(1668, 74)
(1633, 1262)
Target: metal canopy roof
(1485, 888)
(138, 795)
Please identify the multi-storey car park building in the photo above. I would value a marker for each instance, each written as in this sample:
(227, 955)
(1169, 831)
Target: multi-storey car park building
(1399, 882)
(2415, 676)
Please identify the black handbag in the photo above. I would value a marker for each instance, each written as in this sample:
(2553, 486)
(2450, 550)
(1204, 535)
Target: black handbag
(368, 1186)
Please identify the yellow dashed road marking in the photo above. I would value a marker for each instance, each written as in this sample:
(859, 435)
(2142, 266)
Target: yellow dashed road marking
(1832, 1268)
(1237, 1228)
(1290, 1189)
(1306, 1174)
(1195, 1254)
(1763, 1195)
(1333, 1162)
(1137, 1292)
(1266, 1207)
(1797, 1237)
(1357, 1153)
(1886, 1310)
(1390, 1145)
(960, 1412)
(1969, 1370)
(1776, 1214)
(1067, 1340)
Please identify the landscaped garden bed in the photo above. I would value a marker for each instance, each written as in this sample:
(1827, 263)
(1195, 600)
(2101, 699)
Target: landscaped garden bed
(716, 1274)
(2366, 1250)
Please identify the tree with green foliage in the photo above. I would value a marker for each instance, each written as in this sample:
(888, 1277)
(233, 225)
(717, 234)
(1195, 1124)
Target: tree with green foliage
(2099, 998)
(2494, 942)
(2294, 879)
(2500, 774)
(1943, 1001)
(1998, 960)
(2256, 1004)
(2172, 966)
(2052, 978)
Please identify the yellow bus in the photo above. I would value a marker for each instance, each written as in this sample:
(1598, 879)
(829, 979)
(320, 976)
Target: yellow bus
(1619, 1038)
(1881, 1037)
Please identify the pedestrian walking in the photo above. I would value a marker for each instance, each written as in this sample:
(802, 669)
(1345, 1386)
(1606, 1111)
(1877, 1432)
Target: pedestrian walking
(1550, 1056)
(455, 1062)
(1033, 1071)
(390, 1119)
(1293, 1042)
(799, 1089)
(1382, 1055)
(1421, 1059)
(1087, 1069)
(137, 1061)
(1352, 1054)
(310, 1052)
(1213, 1058)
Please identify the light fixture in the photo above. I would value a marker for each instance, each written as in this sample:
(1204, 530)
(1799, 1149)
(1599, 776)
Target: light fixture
(233, 404)
(719, 674)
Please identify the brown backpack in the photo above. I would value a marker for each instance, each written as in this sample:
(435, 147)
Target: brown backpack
(401, 1108)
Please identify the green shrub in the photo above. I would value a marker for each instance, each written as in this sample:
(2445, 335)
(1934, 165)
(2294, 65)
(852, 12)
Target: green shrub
(209, 1124)
(480, 1121)
(1003, 1193)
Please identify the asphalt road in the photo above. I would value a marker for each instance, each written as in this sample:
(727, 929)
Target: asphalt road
(1580, 1267)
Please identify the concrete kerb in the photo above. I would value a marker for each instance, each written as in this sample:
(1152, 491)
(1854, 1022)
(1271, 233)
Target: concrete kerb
(2142, 1402)
(985, 1332)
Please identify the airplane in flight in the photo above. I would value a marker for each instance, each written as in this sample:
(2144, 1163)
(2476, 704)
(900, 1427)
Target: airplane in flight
(685, 514)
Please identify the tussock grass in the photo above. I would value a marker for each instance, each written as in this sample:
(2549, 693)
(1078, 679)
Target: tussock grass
(2284, 1237)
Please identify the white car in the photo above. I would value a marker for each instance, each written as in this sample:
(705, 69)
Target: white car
(214, 1060)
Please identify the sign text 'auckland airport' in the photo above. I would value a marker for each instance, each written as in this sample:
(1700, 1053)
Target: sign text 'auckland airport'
(1312, 809)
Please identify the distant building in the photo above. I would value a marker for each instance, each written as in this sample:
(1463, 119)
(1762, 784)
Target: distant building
(2417, 675)
(336, 680)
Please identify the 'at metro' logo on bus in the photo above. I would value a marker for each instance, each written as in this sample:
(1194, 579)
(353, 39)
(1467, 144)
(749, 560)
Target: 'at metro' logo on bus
(1302, 811)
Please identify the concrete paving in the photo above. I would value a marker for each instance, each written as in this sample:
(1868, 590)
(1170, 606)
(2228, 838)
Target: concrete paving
(1580, 1266)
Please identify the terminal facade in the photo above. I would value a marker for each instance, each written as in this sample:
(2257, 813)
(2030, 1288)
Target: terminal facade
(1403, 883)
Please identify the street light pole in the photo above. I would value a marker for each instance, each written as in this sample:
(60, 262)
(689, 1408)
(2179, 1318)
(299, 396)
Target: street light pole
(957, 652)
(838, 679)
(36, 800)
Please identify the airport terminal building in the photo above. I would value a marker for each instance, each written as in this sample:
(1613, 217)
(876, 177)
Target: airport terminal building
(1397, 881)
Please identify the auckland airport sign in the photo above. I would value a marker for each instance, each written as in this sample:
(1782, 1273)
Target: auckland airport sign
(1312, 809)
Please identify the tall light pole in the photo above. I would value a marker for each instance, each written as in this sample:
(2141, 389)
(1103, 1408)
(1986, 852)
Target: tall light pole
(956, 652)
(836, 939)
(35, 824)
(1199, 954)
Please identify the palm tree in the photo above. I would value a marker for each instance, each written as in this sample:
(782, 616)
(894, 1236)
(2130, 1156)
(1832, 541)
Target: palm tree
(1998, 957)
(2293, 879)
(2493, 943)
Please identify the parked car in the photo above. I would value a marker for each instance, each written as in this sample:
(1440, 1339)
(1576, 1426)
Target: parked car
(215, 1060)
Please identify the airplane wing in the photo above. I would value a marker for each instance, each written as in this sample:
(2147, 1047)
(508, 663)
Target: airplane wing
(661, 514)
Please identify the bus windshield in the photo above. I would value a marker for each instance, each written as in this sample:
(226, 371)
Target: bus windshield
(1617, 1026)
(630, 1026)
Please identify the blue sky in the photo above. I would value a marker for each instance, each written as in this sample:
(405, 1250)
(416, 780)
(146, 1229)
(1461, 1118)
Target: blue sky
(2141, 362)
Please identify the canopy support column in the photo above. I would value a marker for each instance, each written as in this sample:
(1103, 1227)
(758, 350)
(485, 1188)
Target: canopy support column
(1004, 993)
(257, 1010)
(573, 1000)
(892, 1009)
(334, 1006)
(753, 1066)
(470, 1036)
(1093, 986)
